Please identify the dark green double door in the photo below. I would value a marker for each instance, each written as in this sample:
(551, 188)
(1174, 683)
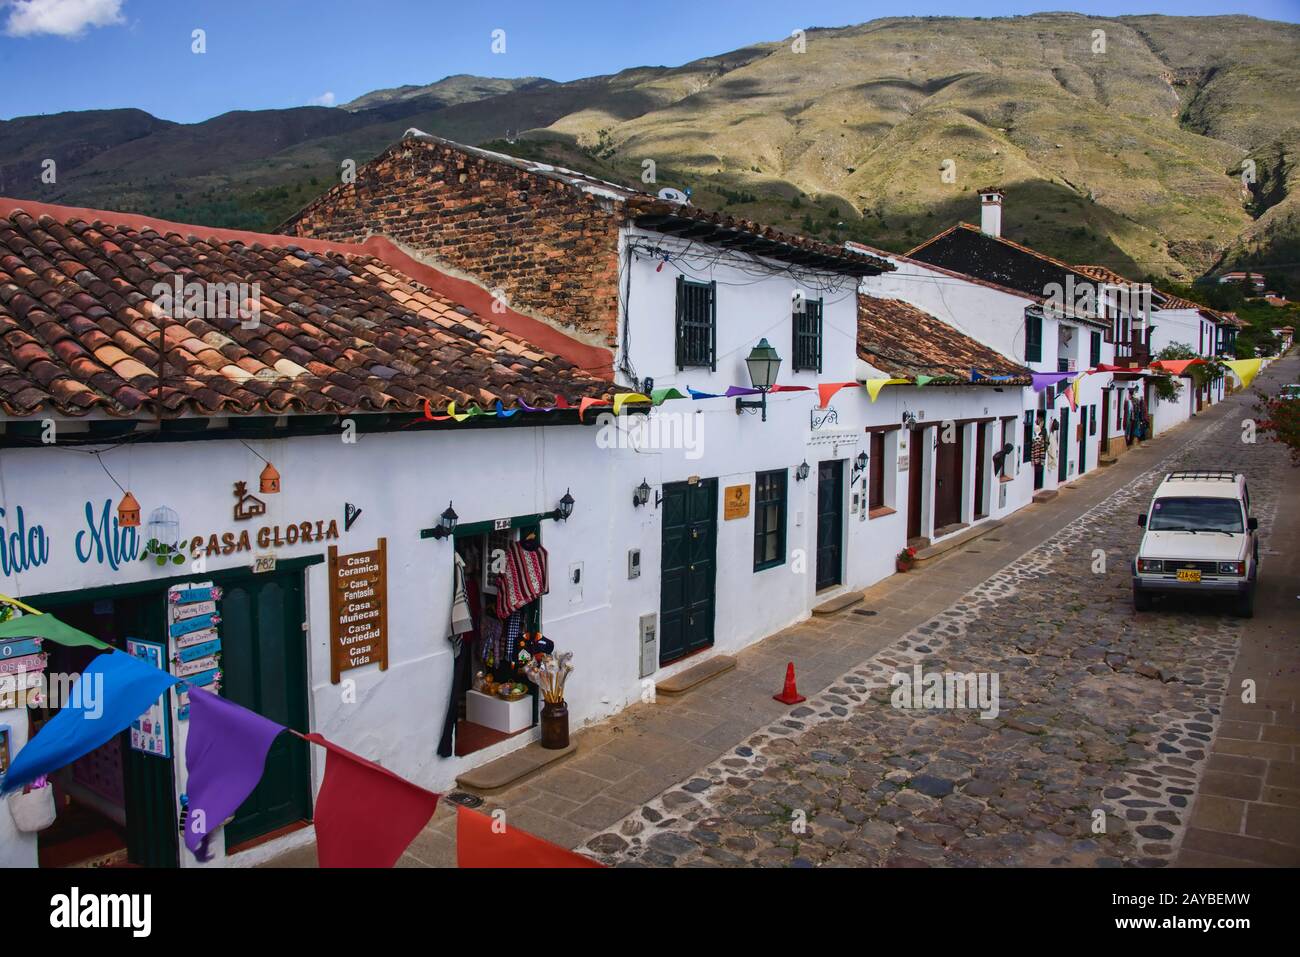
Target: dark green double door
(688, 568)
(264, 668)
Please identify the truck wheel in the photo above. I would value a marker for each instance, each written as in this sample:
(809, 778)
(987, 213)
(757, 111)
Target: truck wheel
(1141, 599)
(1244, 607)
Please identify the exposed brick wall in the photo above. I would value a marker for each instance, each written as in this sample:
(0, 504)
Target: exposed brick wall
(553, 249)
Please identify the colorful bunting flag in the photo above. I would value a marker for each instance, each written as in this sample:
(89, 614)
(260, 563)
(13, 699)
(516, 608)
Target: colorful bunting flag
(225, 755)
(660, 396)
(114, 690)
(502, 412)
(479, 845)
(37, 625)
(1041, 380)
(1244, 369)
(735, 390)
(586, 404)
(696, 394)
(790, 388)
(827, 392)
(1176, 366)
(920, 381)
(875, 385)
(366, 815)
(624, 398)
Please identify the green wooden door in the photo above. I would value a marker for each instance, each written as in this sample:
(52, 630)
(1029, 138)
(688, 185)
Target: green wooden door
(1063, 447)
(830, 522)
(264, 668)
(688, 568)
(152, 821)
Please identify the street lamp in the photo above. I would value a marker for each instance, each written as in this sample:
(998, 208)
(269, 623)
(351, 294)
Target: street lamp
(763, 364)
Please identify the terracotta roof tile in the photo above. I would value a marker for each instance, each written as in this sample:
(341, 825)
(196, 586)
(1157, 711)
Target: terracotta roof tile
(899, 339)
(338, 331)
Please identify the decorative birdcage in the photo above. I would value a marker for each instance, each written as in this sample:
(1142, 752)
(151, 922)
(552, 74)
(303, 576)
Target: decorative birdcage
(164, 527)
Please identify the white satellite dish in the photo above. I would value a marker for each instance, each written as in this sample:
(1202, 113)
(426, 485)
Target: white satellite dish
(674, 195)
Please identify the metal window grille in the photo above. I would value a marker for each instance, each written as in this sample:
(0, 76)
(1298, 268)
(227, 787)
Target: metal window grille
(808, 336)
(697, 326)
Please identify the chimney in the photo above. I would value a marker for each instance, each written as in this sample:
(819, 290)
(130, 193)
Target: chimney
(991, 211)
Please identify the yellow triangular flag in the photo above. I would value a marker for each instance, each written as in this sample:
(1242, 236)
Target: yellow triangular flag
(451, 411)
(1244, 369)
(623, 398)
(875, 385)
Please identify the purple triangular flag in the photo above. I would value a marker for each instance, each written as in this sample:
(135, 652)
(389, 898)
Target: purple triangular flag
(225, 754)
(1042, 380)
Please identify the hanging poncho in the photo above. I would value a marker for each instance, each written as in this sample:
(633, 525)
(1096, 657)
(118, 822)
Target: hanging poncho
(523, 580)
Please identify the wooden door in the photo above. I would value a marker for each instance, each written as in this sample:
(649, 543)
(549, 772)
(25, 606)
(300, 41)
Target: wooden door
(948, 478)
(264, 668)
(1083, 438)
(915, 460)
(981, 438)
(1104, 444)
(688, 568)
(830, 523)
(1063, 447)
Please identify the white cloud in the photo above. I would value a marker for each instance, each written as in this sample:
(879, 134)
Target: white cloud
(63, 18)
(325, 99)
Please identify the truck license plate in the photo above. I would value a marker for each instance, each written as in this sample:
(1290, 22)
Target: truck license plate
(1189, 574)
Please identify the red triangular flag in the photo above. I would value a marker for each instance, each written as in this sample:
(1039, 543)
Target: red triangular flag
(365, 815)
(477, 845)
(827, 392)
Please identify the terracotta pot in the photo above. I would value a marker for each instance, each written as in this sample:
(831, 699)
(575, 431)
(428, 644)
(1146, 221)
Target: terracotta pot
(902, 566)
(555, 726)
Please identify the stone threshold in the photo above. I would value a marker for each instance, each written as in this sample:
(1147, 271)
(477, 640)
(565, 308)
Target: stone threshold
(684, 681)
(955, 541)
(838, 603)
(513, 767)
(1045, 495)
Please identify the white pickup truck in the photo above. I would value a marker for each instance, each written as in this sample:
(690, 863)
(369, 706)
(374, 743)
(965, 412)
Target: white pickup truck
(1200, 537)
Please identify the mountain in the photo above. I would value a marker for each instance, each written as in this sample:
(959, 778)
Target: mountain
(1133, 142)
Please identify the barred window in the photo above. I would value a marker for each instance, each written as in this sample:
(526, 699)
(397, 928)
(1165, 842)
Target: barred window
(1033, 338)
(769, 519)
(807, 335)
(697, 324)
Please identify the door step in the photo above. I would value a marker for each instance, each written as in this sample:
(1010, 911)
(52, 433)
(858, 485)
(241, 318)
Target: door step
(684, 681)
(838, 604)
(513, 767)
(1045, 495)
(955, 541)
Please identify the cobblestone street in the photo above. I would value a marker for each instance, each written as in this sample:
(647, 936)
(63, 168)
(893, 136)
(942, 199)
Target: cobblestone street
(1103, 711)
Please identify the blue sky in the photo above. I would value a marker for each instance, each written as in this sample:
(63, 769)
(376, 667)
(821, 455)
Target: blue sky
(60, 55)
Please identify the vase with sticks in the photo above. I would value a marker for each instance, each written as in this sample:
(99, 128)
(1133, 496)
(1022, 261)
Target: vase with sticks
(549, 673)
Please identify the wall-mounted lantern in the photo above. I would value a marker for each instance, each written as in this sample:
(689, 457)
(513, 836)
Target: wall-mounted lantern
(909, 420)
(641, 495)
(859, 466)
(565, 508)
(763, 364)
(802, 471)
(446, 522)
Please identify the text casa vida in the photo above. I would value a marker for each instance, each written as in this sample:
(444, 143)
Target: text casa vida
(25, 545)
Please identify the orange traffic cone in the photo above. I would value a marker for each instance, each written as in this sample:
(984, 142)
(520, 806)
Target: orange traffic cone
(791, 693)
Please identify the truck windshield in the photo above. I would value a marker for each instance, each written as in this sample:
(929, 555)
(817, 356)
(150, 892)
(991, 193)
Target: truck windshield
(1195, 515)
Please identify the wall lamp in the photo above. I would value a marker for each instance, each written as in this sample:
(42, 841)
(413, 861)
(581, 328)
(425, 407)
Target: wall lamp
(859, 466)
(763, 364)
(565, 508)
(909, 419)
(641, 495)
(446, 523)
(801, 471)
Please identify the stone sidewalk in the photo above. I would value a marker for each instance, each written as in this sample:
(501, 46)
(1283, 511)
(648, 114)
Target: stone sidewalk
(1247, 810)
(628, 760)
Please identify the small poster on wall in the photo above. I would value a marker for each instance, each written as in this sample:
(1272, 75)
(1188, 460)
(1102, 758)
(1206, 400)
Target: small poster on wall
(149, 732)
(192, 626)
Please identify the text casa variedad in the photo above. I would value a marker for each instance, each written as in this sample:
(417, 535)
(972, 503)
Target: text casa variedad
(267, 536)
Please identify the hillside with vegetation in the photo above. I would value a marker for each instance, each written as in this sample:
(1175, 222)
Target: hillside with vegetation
(1158, 146)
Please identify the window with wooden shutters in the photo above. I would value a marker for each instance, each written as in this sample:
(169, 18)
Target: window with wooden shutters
(808, 335)
(697, 326)
(769, 519)
(1033, 338)
(1027, 439)
(876, 473)
(1094, 353)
